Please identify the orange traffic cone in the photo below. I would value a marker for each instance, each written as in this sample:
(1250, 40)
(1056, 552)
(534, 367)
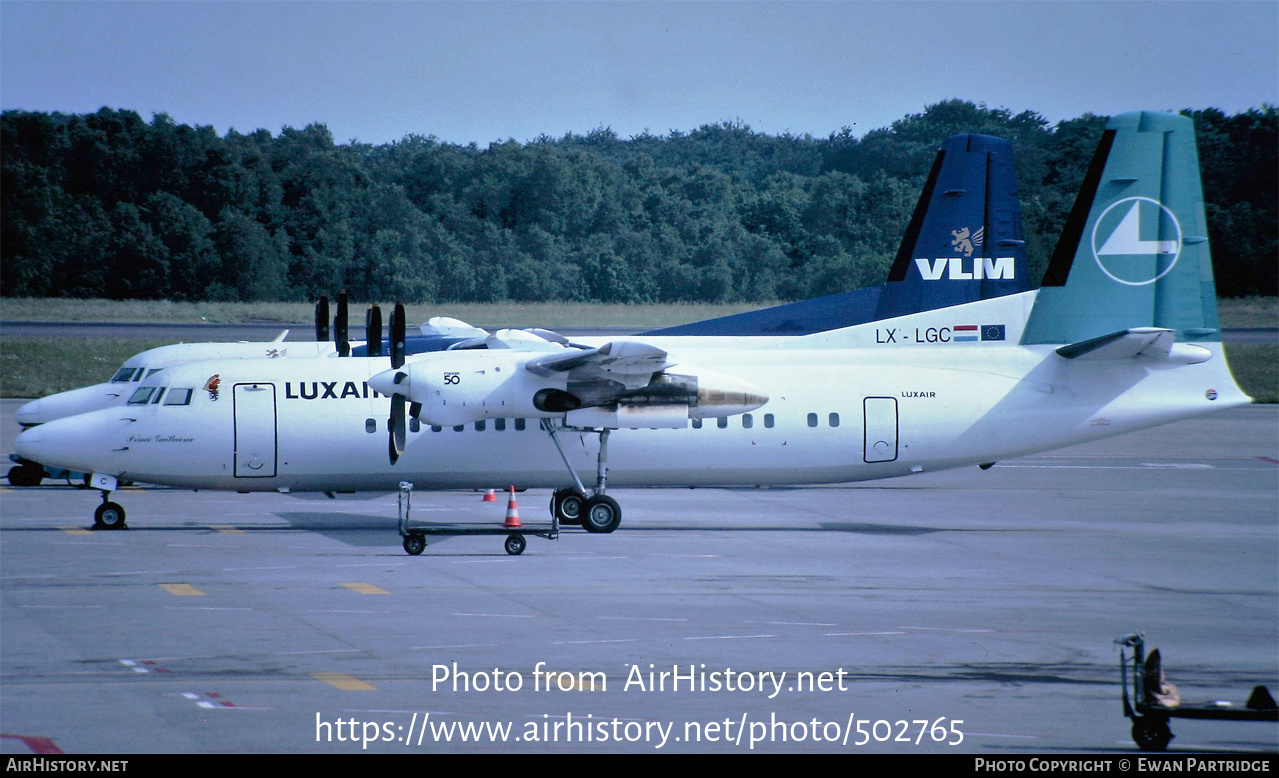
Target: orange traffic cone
(512, 513)
(489, 496)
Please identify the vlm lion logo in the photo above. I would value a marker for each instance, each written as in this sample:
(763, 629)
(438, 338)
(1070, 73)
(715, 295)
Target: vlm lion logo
(965, 240)
(211, 386)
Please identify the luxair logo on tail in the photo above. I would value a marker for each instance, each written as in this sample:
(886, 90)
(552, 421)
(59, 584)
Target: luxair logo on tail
(967, 267)
(1119, 247)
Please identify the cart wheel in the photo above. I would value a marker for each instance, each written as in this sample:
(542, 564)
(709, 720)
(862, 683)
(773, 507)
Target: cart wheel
(414, 544)
(1151, 735)
(515, 544)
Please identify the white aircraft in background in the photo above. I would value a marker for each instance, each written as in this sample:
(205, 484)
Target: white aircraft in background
(968, 206)
(1122, 335)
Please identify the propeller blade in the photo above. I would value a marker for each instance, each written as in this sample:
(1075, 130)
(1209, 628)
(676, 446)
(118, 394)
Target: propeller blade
(397, 336)
(395, 428)
(415, 410)
(373, 330)
(322, 319)
(340, 338)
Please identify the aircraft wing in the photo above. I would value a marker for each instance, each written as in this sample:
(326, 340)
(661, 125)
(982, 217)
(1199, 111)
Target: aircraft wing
(628, 362)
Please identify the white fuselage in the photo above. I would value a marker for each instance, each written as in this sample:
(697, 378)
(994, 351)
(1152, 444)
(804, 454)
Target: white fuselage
(849, 405)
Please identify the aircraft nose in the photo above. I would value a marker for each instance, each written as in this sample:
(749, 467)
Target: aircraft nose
(70, 403)
(29, 414)
(66, 443)
(29, 443)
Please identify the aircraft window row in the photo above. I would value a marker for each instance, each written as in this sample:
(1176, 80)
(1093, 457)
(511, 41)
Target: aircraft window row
(129, 374)
(415, 425)
(499, 425)
(142, 395)
(181, 396)
(832, 420)
(152, 395)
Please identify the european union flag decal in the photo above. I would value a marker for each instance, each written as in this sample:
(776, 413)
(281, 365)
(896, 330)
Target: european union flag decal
(992, 332)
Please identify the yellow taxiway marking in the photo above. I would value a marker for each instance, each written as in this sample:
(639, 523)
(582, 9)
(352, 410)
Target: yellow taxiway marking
(344, 682)
(76, 530)
(227, 529)
(365, 588)
(182, 590)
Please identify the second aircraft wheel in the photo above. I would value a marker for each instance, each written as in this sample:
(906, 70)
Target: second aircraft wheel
(602, 514)
(567, 504)
(414, 544)
(108, 516)
(515, 544)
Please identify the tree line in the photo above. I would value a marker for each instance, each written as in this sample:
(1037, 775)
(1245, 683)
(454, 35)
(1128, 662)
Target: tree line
(109, 205)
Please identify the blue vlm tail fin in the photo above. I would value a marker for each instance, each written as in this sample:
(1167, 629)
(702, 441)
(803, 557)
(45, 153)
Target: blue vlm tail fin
(964, 244)
(1134, 251)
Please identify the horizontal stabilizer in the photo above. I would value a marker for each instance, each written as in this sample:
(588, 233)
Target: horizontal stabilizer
(1144, 343)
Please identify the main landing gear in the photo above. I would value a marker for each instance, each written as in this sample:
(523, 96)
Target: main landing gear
(597, 513)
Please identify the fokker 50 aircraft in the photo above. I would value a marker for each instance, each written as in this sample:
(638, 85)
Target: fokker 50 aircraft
(1122, 335)
(964, 243)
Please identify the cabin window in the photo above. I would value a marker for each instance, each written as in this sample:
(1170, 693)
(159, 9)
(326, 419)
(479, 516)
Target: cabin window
(768, 420)
(834, 420)
(479, 426)
(459, 428)
(748, 421)
(697, 424)
(142, 395)
(812, 420)
(370, 425)
(499, 425)
(519, 425)
(179, 397)
(436, 428)
(722, 422)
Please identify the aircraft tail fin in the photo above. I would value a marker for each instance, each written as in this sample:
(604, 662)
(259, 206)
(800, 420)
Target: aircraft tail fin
(964, 242)
(1134, 251)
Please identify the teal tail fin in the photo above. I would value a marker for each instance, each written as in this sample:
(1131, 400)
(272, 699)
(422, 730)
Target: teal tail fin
(1134, 251)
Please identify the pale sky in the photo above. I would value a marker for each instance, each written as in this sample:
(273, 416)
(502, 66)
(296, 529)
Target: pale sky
(486, 71)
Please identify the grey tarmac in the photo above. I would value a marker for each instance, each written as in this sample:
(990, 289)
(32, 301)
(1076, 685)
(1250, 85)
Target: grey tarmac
(981, 603)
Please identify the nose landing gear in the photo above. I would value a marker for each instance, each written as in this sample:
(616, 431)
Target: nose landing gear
(109, 515)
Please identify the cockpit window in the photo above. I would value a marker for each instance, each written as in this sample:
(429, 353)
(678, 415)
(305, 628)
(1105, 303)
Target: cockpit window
(142, 395)
(179, 397)
(156, 399)
(125, 374)
(153, 371)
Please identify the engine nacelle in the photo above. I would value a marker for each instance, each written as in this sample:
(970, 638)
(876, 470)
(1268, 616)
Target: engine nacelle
(459, 387)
